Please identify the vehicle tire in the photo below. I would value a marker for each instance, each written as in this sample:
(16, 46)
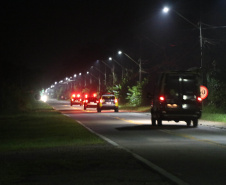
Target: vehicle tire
(153, 121)
(195, 122)
(188, 122)
(116, 110)
(159, 122)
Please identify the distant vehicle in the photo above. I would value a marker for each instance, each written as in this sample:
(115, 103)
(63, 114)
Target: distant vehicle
(107, 101)
(177, 97)
(76, 99)
(90, 101)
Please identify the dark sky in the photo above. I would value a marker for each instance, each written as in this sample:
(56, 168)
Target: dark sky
(61, 38)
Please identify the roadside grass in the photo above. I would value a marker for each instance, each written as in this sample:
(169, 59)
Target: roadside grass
(212, 113)
(42, 127)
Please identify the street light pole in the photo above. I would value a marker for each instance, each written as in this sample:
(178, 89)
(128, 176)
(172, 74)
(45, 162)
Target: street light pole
(99, 83)
(138, 63)
(99, 74)
(113, 71)
(110, 58)
(166, 10)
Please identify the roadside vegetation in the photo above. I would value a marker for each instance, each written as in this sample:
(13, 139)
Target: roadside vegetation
(42, 146)
(42, 127)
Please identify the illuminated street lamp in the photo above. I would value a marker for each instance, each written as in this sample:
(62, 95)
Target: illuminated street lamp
(167, 9)
(138, 63)
(110, 58)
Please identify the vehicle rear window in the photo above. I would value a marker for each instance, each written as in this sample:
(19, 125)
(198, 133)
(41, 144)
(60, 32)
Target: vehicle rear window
(172, 87)
(108, 97)
(186, 85)
(92, 98)
(189, 85)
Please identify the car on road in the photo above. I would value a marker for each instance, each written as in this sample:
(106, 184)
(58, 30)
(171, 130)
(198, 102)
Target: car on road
(107, 101)
(90, 101)
(177, 97)
(76, 99)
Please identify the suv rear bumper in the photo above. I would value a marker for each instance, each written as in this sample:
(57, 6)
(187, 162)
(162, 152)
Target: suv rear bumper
(179, 116)
(108, 107)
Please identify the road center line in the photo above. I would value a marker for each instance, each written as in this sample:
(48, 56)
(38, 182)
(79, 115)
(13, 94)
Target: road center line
(194, 138)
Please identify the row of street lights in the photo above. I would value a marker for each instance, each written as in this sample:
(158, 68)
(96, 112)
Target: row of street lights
(138, 63)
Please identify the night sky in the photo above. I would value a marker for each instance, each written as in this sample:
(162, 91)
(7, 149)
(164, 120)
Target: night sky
(54, 39)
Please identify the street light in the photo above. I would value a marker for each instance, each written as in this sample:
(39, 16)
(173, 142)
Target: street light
(139, 64)
(167, 9)
(110, 58)
(113, 71)
(92, 67)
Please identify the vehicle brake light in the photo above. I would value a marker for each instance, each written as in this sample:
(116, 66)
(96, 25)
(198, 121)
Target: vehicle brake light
(162, 98)
(97, 101)
(86, 101)
(101, 101)
(78, 95)
(199, 99)
(73, 95)
(86, 96)
(94, 94)
(116, 100)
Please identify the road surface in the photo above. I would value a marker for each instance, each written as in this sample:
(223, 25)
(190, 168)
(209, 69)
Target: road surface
(192, 155)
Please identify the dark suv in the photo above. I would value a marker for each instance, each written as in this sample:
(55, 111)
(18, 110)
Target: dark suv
(107, 102)
(90, 101)
(76, 99)
(177, 97)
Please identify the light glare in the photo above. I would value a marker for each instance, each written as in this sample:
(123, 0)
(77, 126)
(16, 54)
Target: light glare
(165, 10)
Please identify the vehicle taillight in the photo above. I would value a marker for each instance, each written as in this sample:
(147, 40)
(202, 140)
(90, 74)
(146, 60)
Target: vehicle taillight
(116, 100)
(78, 95)
(199, 99)
(86, 101)
(101, 101)
(97, 101)
(73, 95)
(161, 98)
(94, 94)
(86, 96)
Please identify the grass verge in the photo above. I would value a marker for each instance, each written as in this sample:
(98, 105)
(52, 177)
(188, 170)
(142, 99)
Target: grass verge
(212, 113)
(42, 127)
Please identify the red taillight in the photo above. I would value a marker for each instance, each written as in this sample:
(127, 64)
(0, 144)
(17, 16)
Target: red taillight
(73, 95)
(101, 101)
(97, 101)
(78, 95)
(199, 99)
(94, 94)
(116, 100)
(86, 101)
(86, 95)
(162, 98)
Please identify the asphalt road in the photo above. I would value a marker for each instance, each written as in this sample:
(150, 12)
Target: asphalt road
(189, 155)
